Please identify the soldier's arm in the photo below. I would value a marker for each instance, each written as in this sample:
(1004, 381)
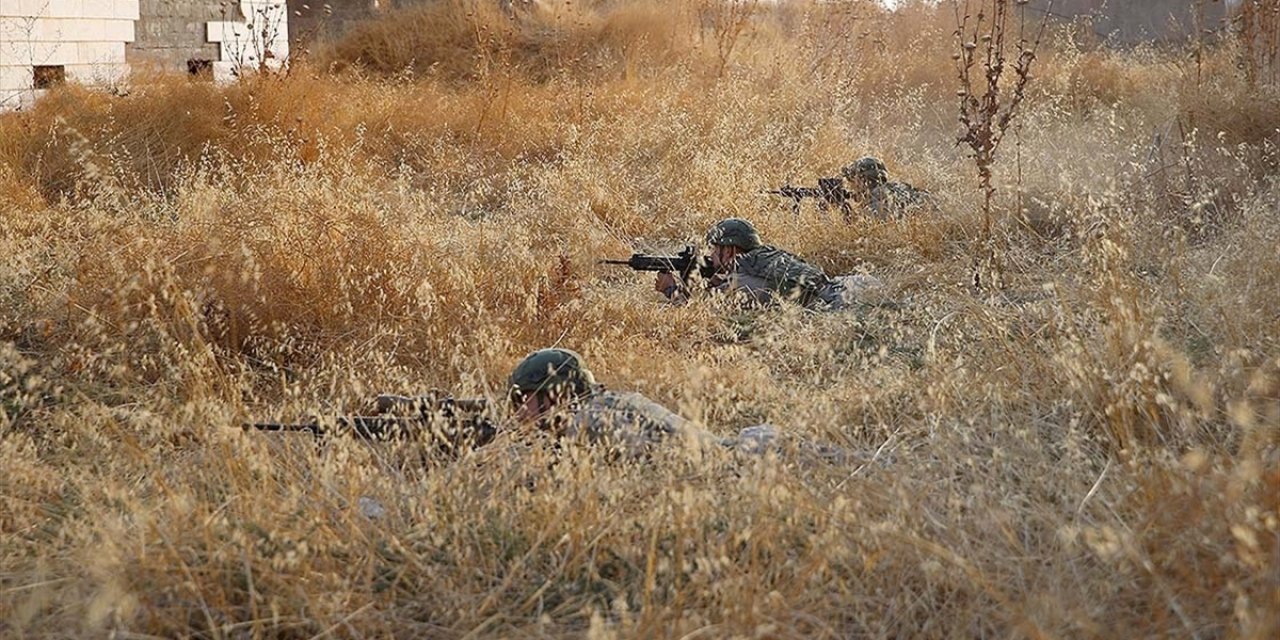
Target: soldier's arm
(672, 287)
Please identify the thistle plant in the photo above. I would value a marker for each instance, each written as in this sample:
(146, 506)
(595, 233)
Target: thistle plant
(988, 105)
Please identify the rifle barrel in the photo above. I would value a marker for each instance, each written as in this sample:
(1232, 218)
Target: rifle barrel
(390, 403)
(282, 426)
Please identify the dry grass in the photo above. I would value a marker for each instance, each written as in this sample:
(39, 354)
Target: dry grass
(1091, 452)
(469, 40)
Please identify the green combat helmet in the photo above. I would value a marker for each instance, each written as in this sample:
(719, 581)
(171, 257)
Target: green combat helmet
(554, 371)
(734, 232)
(867, 169)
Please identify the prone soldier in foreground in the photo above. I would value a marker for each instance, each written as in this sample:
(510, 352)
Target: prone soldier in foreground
(741, 263)
(550, 389)
(553, 389)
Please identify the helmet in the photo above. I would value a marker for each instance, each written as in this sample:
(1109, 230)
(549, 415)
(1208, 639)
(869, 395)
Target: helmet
(734, 232)
(868, 169)
(552, 370)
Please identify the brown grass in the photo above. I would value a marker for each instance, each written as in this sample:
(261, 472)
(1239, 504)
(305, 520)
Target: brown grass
(466, 40)
(1089, 452)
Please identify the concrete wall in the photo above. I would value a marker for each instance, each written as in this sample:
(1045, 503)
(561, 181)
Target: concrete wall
(85, 37)
(318, 20)
(234, 36)
(99, 41)
(1133, 21)
(171, 32)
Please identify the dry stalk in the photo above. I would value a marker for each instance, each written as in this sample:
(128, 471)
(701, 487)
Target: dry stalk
(729, 20)
(985, 110)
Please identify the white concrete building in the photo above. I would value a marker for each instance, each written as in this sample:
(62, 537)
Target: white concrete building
(46, 42)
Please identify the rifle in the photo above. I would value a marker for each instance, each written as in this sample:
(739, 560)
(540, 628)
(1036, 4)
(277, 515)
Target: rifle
(830, 192)
(682, 263)
(452, 423)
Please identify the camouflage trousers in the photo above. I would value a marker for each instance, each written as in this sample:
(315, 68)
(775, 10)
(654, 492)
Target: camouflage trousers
(765, 438)
(844, 292)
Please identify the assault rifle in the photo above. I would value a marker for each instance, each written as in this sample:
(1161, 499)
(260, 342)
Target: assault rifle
(829, 193)
(682, 263)
(451, 423)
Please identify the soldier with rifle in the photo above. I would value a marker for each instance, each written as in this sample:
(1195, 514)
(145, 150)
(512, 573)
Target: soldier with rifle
(553, 391)
(740, 263)
(550, 389)
(868, 184)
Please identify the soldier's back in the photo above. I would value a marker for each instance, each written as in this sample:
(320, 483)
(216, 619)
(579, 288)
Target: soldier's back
(896, 199)
(632, 424)
(782, 272)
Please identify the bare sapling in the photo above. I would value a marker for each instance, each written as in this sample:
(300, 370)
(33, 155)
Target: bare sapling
(988, 105)
(729, 20)
(257, 48)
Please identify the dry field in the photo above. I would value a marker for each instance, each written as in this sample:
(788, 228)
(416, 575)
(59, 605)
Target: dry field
(1088, 449)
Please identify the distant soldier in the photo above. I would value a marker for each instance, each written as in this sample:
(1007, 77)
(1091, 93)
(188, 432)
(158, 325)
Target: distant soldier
(764, 274)
(869, 183)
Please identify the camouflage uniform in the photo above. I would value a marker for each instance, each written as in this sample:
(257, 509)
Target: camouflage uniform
(764, 438)
(885, 199)
(628, 423)
(632, 425)
(767, 274)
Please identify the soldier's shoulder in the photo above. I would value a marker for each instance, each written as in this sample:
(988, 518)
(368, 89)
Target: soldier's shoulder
(764, 260)
(906, 190)
(897, 198)
(628, 418)
(633, 401)
(609, 398)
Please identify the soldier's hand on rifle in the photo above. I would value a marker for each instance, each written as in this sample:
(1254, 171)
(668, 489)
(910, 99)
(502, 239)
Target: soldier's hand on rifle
(666, 284)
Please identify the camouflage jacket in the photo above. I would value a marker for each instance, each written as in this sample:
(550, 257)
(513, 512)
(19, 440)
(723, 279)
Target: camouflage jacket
(895, 199)
(633, 426)
(768, 272)
(631, 423)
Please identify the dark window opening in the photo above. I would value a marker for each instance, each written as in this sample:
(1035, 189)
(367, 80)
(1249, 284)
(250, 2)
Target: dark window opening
(200, 68)
(49, 76)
